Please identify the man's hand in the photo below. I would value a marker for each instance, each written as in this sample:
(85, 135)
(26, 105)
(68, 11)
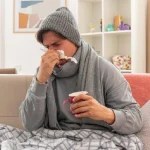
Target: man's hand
(48, 62)
(87, 106)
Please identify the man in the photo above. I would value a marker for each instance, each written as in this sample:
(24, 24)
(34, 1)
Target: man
(109, 105)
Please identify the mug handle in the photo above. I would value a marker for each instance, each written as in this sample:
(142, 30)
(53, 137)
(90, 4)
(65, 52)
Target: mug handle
(65, 101)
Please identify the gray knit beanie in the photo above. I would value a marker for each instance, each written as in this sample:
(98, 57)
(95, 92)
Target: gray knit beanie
(63, 22)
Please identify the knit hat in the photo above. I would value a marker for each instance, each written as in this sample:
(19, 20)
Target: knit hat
(63, 22)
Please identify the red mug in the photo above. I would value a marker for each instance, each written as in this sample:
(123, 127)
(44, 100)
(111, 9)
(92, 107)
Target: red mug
(72, 95)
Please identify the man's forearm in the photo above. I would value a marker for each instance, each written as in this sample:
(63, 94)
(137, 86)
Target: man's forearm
(127, 121)
(32, 109)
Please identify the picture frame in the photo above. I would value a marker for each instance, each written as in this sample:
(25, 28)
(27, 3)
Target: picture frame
(28, 14)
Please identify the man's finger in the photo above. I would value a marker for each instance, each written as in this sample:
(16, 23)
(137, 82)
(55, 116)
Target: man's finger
(82, 115)
(80, 110)
(50, 57)
(54, 61)
(78, 104)
(49, 52)
(81, 97)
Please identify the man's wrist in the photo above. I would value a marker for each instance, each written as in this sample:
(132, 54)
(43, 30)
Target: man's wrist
(110, 117)
(39, 81)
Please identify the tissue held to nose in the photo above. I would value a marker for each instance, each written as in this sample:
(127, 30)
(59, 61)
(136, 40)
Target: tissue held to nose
(62, 56)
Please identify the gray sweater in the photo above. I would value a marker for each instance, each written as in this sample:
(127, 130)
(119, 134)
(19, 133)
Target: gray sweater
(114, 93)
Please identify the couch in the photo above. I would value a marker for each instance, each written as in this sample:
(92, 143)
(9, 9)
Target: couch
(8, 71)
(13, 89)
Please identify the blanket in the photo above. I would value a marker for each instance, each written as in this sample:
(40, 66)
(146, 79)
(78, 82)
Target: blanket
(45, 139)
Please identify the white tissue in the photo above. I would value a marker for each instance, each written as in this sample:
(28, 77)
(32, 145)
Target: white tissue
(73, 59)
(62, 56)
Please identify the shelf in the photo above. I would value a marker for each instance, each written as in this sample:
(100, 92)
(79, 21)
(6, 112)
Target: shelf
(118, 32)
(128, 32)
(126, 71)
(91, 1)
(118, 42)
(31, 1)
(92, 34)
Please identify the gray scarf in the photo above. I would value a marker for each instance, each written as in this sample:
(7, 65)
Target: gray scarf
(88, 79)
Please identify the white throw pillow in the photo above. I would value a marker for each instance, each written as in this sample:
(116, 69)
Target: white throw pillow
(144, 134)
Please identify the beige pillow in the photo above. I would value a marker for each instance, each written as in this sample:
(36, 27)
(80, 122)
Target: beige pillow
(144, 134)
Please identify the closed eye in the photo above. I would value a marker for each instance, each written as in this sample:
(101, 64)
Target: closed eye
(56, 44)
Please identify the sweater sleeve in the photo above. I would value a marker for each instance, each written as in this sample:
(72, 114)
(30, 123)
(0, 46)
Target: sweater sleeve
(32, 109)
(118, 97)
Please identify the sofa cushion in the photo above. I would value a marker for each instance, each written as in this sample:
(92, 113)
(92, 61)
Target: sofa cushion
(144, 134)
(12, 93)
(140, 86)
(11, 121)
(13, 89)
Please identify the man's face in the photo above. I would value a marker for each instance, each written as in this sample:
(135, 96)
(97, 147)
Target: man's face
(53, 41)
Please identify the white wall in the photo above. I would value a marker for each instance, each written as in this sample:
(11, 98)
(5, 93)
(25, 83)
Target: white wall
(20, 49)
(2, 34)
(73, 6)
